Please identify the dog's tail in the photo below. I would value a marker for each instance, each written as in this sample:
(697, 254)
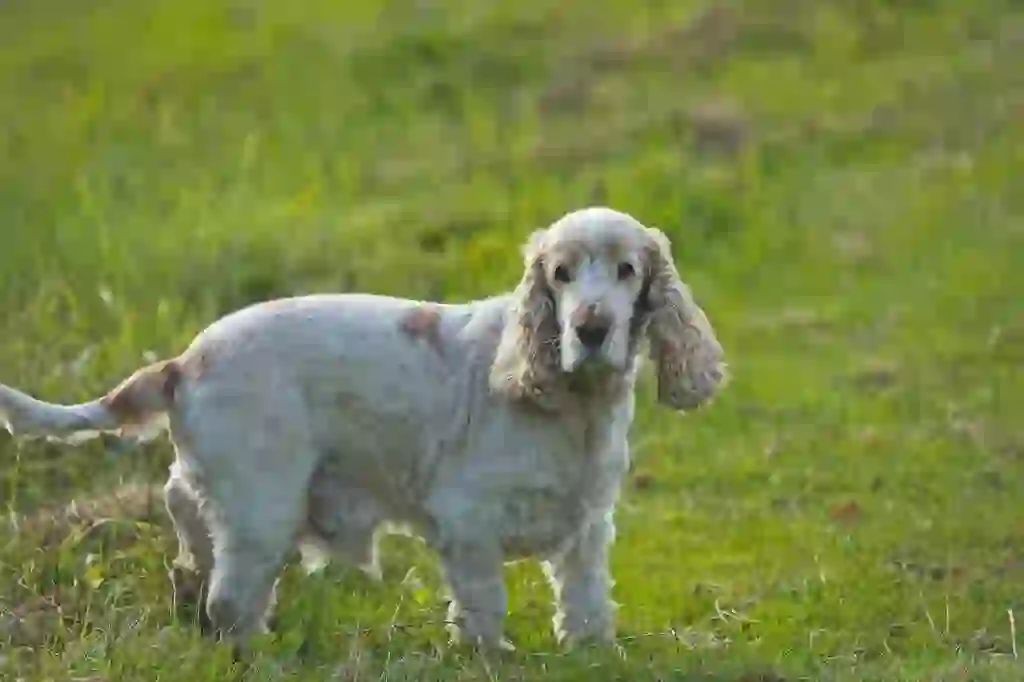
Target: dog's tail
(133, 408)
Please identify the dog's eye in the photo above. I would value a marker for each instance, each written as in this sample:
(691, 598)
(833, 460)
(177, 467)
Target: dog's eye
(626, 270)
(562, 274)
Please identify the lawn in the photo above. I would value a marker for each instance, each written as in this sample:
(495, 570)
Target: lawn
(837, 179)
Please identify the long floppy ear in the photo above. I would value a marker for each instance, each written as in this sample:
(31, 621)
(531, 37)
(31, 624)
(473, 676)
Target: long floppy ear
(689, 360)
(527, 358)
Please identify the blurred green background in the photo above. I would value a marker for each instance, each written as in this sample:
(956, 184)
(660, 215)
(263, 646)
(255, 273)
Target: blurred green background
(840, 180)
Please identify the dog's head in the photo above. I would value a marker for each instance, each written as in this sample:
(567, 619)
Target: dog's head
(596, 283)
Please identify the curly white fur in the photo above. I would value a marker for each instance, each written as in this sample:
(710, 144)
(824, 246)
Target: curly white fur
(495, 430)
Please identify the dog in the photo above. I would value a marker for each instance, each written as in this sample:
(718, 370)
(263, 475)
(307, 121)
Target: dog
(495, 430)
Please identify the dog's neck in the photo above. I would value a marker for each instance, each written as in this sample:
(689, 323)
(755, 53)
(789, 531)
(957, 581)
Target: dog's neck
(591, 393)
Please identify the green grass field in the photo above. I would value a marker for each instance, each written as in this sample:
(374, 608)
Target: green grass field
(837, 178)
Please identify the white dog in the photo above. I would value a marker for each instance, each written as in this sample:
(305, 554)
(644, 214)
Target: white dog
(495, 430)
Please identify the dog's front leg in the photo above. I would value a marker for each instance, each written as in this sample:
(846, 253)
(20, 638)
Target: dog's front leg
(581, 583)
(476, 614)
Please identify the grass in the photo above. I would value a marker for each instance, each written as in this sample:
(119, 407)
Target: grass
(841, 183)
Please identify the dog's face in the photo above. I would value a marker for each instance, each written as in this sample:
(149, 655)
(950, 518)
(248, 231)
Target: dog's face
(595, 283)
(594, 273)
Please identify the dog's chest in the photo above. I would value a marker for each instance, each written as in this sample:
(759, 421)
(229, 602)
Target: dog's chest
(528, 481)
(536, 497)
(539, 519)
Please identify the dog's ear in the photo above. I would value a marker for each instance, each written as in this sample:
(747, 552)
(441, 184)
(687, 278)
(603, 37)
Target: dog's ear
(527, 358)
(688, 357)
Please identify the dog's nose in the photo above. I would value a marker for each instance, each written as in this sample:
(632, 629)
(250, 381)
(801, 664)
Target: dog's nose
(593, 332)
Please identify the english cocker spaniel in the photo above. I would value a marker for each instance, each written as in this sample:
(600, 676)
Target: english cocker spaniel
(495, 430)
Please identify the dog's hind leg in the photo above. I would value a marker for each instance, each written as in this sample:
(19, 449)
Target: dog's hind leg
(252, 534)
(251, 467)
(190, 570)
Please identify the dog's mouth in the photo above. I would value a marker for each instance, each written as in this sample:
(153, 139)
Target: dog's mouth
(591, 373)
(595, 363)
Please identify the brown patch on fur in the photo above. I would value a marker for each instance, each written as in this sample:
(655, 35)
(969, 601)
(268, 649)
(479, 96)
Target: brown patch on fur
(423, 322)
(194, 364)
(148, 391)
